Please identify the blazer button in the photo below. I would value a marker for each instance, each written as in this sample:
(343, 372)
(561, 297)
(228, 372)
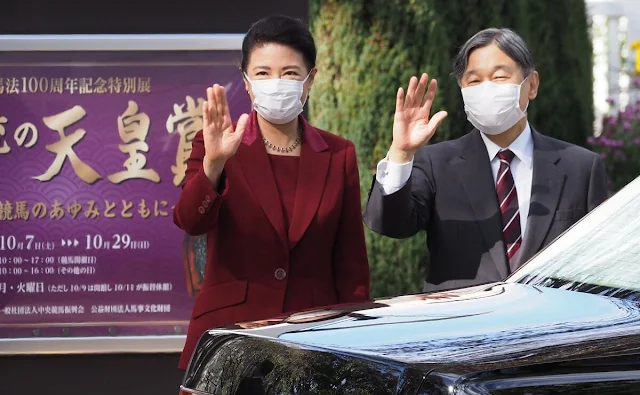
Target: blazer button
(208, 198)
(201, 210)
(280, 274)
(205, 203)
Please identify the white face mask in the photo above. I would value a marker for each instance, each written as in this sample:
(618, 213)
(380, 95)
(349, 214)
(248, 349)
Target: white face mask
(278, 100)
(493, 108)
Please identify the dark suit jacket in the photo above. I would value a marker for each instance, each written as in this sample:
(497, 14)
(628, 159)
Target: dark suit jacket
(451, 195)
(255, 267)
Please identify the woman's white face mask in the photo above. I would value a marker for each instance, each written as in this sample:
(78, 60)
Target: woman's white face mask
(493, 108)
(277, 100)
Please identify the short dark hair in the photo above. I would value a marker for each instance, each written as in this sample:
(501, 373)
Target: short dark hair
(283, 30)
(507, 40)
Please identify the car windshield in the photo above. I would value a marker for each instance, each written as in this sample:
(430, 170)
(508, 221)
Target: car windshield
(599, 255)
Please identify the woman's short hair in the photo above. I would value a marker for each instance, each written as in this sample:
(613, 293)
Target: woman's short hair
(282, 30)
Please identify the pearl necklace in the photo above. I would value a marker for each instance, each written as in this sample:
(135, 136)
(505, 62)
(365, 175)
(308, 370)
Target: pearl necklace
(288, 149)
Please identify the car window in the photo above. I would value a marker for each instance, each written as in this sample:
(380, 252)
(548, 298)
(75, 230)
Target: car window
(600, 254)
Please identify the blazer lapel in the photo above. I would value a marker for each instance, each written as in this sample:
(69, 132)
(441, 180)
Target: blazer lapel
(312, 173)
(474, 170)
(256, 168)
(546, 188)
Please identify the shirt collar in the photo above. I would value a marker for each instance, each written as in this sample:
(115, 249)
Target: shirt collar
(522, 146)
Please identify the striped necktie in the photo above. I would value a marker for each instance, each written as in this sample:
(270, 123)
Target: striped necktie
(509, 208)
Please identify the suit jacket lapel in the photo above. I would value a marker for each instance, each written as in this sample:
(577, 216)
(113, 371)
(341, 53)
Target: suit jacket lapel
(312, 173)
(474, 170)
(256, 168)
(546, 188)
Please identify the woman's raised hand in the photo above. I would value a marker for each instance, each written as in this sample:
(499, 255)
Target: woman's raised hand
(221, 141)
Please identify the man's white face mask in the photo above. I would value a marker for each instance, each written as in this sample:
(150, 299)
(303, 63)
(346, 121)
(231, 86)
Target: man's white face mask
(493, 108)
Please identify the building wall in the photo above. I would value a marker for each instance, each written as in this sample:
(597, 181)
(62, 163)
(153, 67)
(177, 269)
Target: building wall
(615, 25)
(141, 16)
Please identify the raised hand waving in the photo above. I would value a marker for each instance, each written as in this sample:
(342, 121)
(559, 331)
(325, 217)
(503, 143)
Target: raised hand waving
(412, 125)
(221, 140)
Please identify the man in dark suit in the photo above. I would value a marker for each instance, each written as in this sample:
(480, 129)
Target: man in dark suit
(493, 198)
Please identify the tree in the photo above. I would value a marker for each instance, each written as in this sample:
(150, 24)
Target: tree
(368, 48)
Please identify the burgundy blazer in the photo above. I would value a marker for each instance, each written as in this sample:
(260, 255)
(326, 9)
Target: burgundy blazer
(254, 265)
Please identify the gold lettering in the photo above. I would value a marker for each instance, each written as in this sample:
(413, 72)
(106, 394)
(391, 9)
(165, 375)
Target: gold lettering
(64, 147)
(92, 212)
(6, 211)
(130, 85)
(23, 131)
(126, 207)
(39, 210)
(100, 85)
(74, 209)
(1, 85)
(57, 85)
(13, 85)
(187, 123)
(143, 210)
(109, 208)
(22, 211)
(114, 85)
(133, 128)
(144, 85)
(157, 208)
(86, 86)
(71, 85)
(4, 147)
(56, 210)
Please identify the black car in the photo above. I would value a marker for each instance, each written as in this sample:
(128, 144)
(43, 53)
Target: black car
(567, 322)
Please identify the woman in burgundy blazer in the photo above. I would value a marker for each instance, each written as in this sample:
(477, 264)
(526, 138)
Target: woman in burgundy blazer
(278, 198)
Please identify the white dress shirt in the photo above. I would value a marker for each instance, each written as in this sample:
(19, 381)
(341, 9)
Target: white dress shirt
(393, 176)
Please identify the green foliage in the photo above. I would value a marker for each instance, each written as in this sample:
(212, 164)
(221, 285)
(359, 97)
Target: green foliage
(369, 48)
(557, 33)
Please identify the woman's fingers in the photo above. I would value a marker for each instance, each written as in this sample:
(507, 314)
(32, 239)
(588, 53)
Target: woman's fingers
(205, 114)
(218, 94)
(212, 104)
(242, 125)
(222, 98)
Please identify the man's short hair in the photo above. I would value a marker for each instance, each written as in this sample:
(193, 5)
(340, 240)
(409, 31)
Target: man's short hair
(507, 40)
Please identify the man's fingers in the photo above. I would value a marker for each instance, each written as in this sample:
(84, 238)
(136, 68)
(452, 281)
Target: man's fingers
(422, 86)
(430, 96)
(399, 99)
(411, 92)
(436, 120)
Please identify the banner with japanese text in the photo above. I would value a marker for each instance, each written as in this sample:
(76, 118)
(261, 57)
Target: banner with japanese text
(93, 149)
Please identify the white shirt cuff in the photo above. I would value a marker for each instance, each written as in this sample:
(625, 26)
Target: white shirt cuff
(393, 176)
